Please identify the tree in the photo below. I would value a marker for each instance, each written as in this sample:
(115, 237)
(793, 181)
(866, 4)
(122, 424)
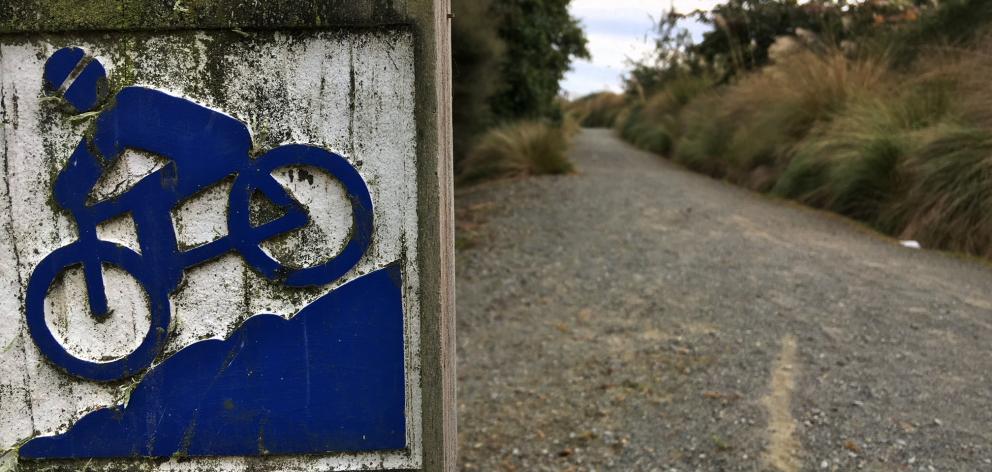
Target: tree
(673, 57)
(541, 39)
(476, 55)
(743, 31)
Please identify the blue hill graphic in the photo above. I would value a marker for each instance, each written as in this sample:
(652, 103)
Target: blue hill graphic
(328, 380)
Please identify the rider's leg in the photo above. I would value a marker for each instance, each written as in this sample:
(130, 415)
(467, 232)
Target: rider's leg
(93, 271)
(71, 189)
(159, 245)
(95, 289)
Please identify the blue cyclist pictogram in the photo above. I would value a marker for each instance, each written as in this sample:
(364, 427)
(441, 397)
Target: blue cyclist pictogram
(203, 147)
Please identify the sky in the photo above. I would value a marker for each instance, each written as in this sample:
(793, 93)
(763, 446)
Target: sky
(617, 30)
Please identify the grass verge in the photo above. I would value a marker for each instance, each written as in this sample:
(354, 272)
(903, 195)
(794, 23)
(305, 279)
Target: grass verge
(906, 149)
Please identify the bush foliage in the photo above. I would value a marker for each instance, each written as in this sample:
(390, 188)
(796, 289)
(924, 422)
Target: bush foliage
(476, 54)
(542, 39)
(888, 121)
(509, 57)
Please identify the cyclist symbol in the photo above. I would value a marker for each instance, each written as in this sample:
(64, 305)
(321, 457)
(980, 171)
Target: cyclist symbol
(204, 147)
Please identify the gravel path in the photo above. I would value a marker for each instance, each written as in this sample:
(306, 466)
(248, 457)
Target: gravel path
(636, 316)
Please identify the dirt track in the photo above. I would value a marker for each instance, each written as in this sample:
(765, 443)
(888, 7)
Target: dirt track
(636, 316)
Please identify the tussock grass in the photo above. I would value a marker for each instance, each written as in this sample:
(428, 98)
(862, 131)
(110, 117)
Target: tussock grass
(598, 110)
(906, 149)
(949, 205)
(747, 132)
(857, 163)
(887, 157)
(655, 124)
(948, 201)
(518, 149)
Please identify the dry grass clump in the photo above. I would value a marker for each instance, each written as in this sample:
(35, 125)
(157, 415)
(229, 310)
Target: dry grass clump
(908, 151)
(656, 124)
(523, 148)
(746, 132)
(598, 110)
(915, 162)
(948, 201)
(851, 164)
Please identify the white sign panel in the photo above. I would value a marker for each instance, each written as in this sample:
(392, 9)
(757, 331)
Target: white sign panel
(208, 250)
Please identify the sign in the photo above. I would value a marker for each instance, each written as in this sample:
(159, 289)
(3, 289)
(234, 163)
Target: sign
(213, 245)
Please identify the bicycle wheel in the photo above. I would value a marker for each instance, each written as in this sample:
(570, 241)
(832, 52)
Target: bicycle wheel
(246, 238)
(56, 263)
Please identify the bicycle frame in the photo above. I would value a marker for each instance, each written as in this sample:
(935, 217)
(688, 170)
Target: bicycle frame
(214, 147)
(156, 233)
(204, 147)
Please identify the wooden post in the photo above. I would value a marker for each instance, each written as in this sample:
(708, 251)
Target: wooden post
(440, 379)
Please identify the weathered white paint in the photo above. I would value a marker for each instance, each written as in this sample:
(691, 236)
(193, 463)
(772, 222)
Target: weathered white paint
(352, 93)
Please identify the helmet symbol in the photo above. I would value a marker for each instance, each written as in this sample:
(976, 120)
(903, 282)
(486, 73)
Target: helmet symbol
(78, 78)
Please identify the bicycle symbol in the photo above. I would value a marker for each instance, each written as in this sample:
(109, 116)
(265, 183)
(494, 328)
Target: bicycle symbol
(203, 147)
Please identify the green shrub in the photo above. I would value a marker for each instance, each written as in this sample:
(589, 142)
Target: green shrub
(522, 148)
(476, 54)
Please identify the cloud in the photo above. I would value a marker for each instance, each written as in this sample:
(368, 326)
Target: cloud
(618, 30)
(615, 51)
(588, 77)
(608, 8)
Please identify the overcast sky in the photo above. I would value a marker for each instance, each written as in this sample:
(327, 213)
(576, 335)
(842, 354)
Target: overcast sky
(618, 29)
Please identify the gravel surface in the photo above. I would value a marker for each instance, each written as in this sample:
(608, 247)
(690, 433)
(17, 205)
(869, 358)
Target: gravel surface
(636, 316)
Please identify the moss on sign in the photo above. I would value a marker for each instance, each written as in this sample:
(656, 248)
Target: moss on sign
(65, 15)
